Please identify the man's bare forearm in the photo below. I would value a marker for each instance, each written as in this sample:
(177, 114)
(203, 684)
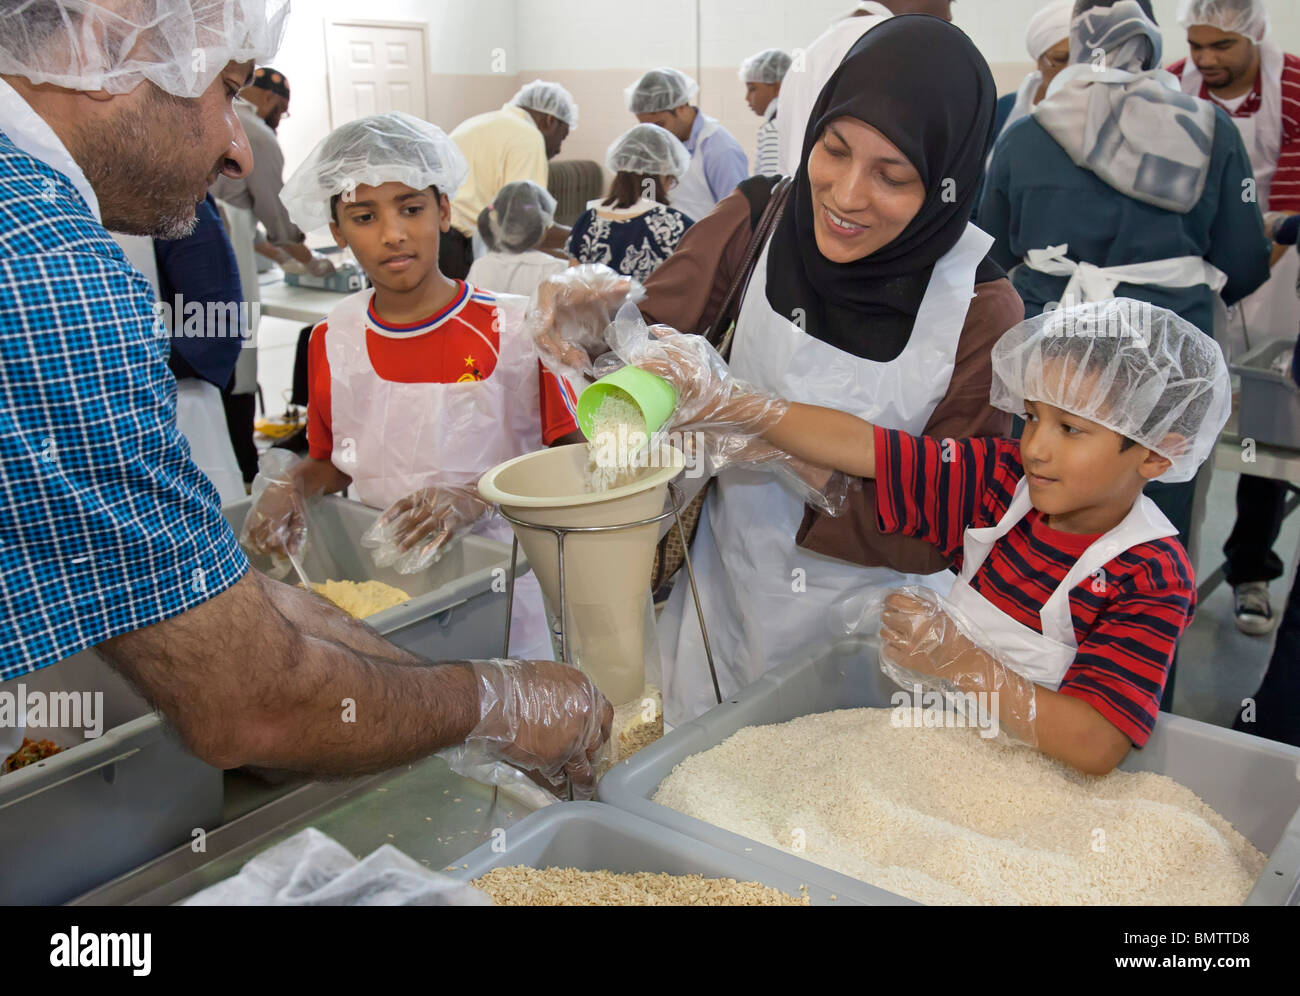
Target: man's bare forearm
(270, 675)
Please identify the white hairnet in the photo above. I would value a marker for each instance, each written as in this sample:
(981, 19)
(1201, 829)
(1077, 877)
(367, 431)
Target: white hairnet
(1242, 17)
(769, 66)
(1048, 27)
(178, 45)
(1137, 369)
(661, 89)
(378, 149)
(548, 98)
(648, 149)
(518, 217)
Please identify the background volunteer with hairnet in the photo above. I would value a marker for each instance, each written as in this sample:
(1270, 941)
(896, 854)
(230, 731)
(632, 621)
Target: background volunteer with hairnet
(802, 85)
(1237, 65)
(665, 97)
(115, 540)
(762, 74)
(1072, 589)
(1161, 173)
(633, 229)
(1047, 40)
(501, 147)
(512, 227)
(419, 385)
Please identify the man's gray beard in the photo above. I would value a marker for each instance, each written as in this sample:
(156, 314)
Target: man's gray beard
(110, 159)
(168, 227)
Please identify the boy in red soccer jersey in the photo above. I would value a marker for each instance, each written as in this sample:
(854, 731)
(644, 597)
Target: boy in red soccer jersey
(424, 382)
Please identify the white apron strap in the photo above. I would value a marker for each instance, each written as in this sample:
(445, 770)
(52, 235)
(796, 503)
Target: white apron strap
(1144, 523)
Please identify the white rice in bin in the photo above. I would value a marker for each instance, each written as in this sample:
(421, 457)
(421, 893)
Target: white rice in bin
(941, 816)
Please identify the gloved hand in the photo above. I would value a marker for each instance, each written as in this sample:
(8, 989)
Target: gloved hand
(541, 716)
(320, 266)
(725, 414)
(569, 315)
(922, 643)
(415, 531)
(291, 265)
(276, 523)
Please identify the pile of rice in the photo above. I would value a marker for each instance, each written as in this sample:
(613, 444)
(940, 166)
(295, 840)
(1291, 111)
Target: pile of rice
(361, 598)
(618, 434)
(631, 731)
(520, 885)
(942, 817)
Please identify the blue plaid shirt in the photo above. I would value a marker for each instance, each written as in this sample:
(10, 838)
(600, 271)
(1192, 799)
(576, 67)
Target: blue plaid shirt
(106, 525)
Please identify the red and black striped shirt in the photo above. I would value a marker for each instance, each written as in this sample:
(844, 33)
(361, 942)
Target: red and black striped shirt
(1284, 194)
(1127, 619)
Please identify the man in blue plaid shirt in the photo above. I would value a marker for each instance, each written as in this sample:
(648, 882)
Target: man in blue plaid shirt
(109, 535)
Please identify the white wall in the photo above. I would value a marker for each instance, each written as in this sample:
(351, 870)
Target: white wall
(461, 39)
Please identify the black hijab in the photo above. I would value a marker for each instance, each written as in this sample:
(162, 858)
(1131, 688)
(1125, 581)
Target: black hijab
(921, 83)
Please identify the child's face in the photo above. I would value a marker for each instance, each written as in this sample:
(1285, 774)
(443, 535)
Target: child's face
(1077, 474)
(394, 231)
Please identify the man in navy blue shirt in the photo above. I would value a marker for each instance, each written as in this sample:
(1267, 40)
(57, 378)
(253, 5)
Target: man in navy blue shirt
(109, 535)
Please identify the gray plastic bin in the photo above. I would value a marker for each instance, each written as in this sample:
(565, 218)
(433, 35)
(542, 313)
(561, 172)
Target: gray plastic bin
(1269, 410)
(592, 837)
(1251, 782)
(453, 614)
(103, 805)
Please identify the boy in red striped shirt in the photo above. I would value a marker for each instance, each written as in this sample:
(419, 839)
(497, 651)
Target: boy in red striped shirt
(1073, 583)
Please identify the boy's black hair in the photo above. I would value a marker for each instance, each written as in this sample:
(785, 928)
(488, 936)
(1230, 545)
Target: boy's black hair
(334, 203)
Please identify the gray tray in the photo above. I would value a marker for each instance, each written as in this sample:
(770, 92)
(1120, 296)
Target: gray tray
(1251, 782)
(453, 613)
(1269, 410)
(592, 837)
(103, 805)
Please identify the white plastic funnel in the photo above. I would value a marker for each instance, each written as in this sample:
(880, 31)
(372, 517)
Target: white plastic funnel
(607, 574)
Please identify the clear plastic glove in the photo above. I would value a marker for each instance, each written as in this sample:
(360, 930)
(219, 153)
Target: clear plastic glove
(726, 415)
(290, 265)
(320, 266)
(543, 717)
(276, 524)
(924, 642)
(414, 532)
(570, 313)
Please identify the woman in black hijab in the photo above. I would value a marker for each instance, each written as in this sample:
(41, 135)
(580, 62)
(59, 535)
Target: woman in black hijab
(926, 93)
(872, 294)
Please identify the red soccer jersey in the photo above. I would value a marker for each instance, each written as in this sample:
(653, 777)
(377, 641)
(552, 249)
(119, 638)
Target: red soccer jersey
(1126, 628)
(458, 343)
(1284, 195)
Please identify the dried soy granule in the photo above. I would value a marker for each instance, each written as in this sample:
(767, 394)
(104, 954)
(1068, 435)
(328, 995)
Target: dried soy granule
(520, 885)
(941, 816)
(361, 598)
(618, 436)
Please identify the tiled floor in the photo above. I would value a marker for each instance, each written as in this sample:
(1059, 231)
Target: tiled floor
(1218, 666)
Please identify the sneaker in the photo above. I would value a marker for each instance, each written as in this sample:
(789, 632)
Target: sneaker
(1254, 614)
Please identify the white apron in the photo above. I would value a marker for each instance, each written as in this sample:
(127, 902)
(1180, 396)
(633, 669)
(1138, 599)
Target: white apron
(394, 439)
(1098, 283)
(766, 601)
(1273, 311)
(241, 226)
(692, 196)
(201, 418)
(1044, 657)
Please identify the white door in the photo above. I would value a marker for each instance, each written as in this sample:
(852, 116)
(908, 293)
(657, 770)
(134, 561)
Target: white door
(375, 68)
